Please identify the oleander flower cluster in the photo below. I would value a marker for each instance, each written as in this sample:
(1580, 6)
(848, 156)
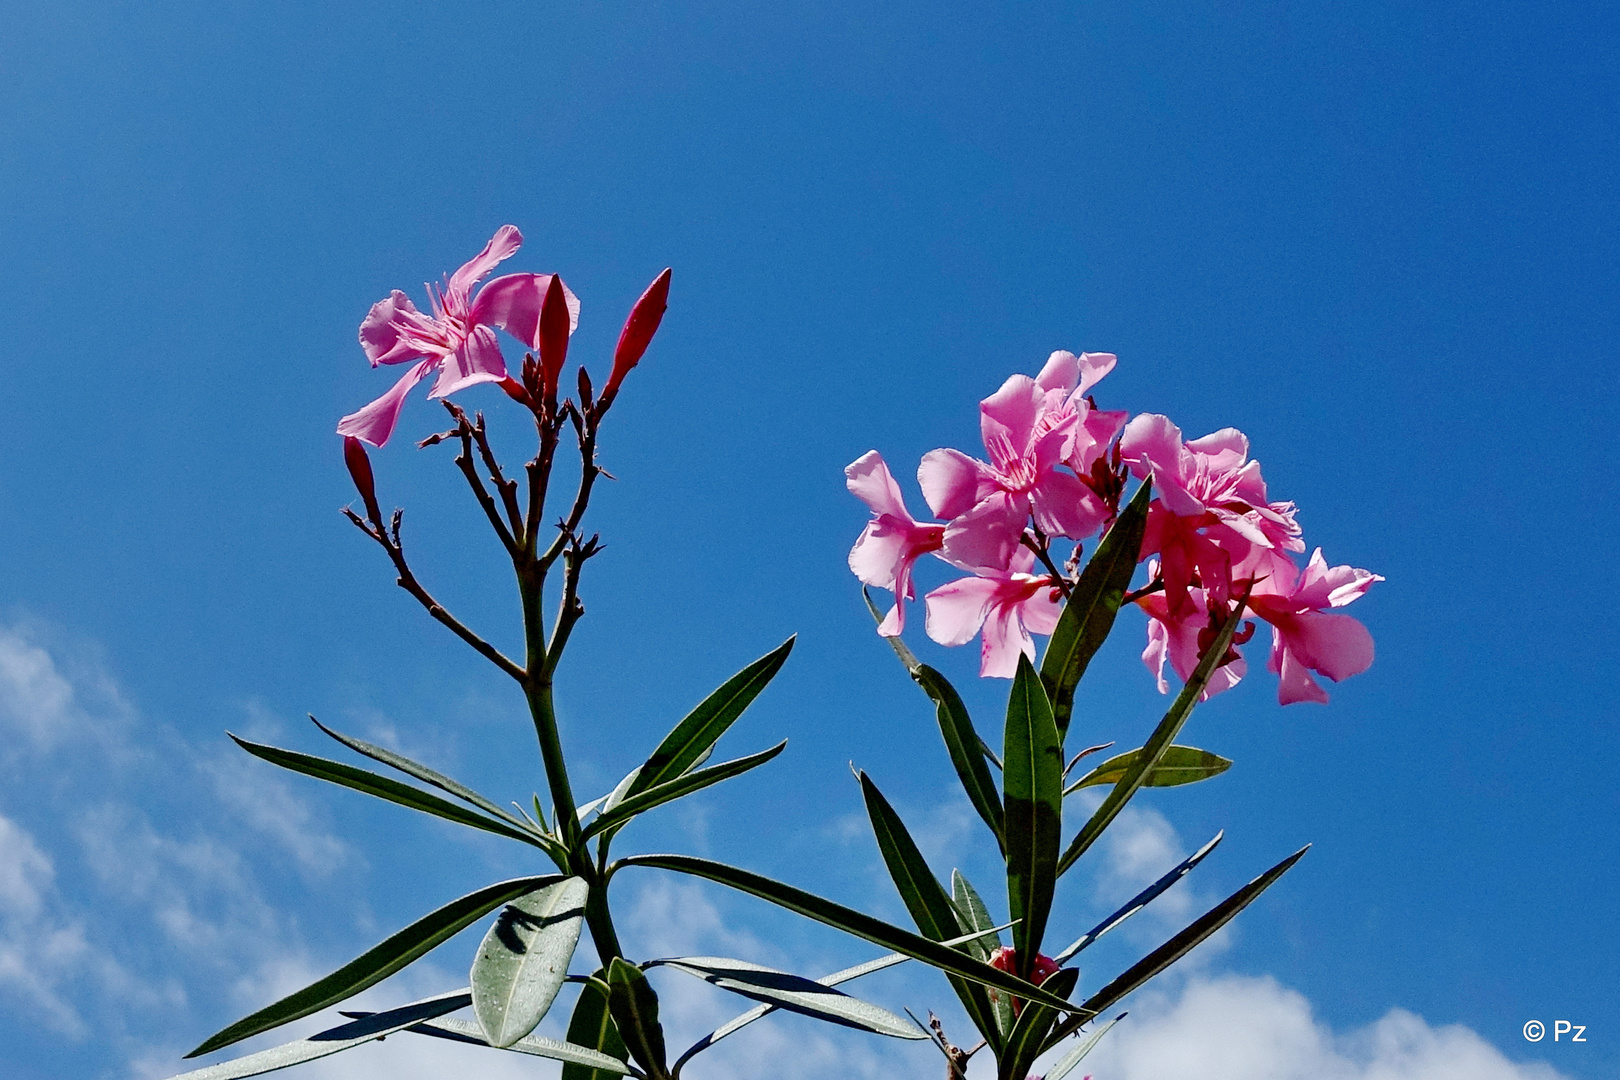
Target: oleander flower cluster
(1056, 468)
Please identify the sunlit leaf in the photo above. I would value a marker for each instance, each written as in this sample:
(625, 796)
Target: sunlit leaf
(792, 992)
(1139, 901)
(592, 1026)
(378, 962)
(1030, 1030)
(684, 784)
(331, 1041)
(524, 957)
(635, 1010)
(1179, 765)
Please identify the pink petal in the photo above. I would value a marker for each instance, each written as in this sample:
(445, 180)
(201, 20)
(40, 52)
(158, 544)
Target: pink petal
(478, 360)
(512, 303)
(1323, 586)
(380, 330)
(1157, 652)
(1294, 680)
(957, 610)
(375, 423)
(1062, 372)
(879, 552)
(1007, 419)
(1093, 366)
(1152, 443)
(869, 480)
(1041, 611)
(1004, 638)
(986, 537)
(1064, 506)
(1226, 449)
(503, 245)
(1336, 645)
(953, 483)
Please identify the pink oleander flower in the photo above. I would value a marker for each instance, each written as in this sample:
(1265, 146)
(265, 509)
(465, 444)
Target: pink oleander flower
(457, 339)
(1305, 637)
(1006, 959)
(1211, 511)
(1181, 639)
(1031, 427)
(893, 540)
(1007, 605)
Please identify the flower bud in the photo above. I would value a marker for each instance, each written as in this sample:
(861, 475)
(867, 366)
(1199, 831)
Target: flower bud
(554, 330)
(354, 456)
(638, 332)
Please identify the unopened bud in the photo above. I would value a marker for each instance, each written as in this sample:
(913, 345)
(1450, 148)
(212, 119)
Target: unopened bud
(554, 329)
(584, 388)
(354, 456)
(638, 331)
(516, 392)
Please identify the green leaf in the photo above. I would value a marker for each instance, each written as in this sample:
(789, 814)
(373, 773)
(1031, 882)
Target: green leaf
(380, 961)
(704, 725)
(592, 1026)
(648, 798)
(1139, 901)
(794, 993)
(332, 1040)
(973, 915)
(635, 1010)
(383, 788)
(930, 907)
(1180, 945)
(423, 773)
(933, 953)
(1030, 1030)
(1184, 942)
(1179, 765)
(1032, 788)
(524, 958)
(737, 1023)
(963, 743)
(1068, 1061)
(1158, 743)
(466, 1031)
(1093, 602)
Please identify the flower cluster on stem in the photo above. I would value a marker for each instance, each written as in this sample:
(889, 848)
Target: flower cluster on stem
(1056, 467)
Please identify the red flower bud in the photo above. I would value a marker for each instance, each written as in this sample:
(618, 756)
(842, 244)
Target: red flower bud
(554, 329)
(1004, 959)
(638, 331)
(354, 456)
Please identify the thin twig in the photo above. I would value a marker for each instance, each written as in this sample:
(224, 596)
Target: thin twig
(408, 582)
(1037, 544)
(507, 488)
(469, 469)
(1157, 585)
(585, 429)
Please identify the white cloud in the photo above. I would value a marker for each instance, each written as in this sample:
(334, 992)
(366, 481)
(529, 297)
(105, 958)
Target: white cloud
(1241, 1028)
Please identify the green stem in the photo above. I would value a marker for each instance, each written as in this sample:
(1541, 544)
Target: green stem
(600, 920)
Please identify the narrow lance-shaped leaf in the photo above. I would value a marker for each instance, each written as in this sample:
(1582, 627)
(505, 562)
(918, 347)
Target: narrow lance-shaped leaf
(383, 788)
(635, 1010)
(792, 992)
(523, 959)
(703, 726)
(849, 920)
(742, 1020)
(1180, 945)
(674, 789)
(423, 773)
(1088, 615)
(1032, 787)
(931, 909)
(964, 745)
(1159, 742)
(380, 961)
(1139, 901)
(1179, 765)
(1067, 1062)
(465, 1031)
(970, 907)
(333, 1040)
(1030, 1030)
(592, 1026)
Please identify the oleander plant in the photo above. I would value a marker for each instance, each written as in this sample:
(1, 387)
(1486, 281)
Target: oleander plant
(1212, 552)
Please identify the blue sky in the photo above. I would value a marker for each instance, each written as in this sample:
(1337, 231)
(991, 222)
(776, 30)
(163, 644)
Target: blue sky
(1380, 239)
